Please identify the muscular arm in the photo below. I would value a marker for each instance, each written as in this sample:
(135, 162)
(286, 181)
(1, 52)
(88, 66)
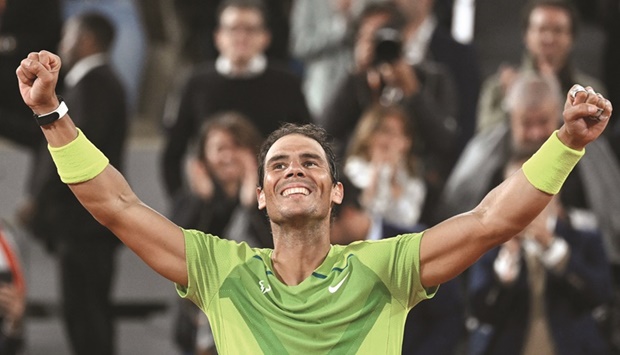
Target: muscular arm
(108, 197)
(452, 246)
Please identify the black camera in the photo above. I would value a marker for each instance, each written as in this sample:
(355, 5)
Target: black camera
(388, 45)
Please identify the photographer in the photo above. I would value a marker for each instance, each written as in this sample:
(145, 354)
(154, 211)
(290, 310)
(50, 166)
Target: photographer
(382, 75)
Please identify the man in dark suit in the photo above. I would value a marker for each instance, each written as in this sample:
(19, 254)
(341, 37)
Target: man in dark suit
(84, 248)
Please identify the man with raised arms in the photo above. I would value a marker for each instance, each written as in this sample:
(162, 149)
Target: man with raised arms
(305, 295)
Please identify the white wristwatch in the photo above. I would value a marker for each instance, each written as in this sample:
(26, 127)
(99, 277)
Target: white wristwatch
(50, 117)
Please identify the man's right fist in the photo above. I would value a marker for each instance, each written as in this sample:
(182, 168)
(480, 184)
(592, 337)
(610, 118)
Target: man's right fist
(37, 76)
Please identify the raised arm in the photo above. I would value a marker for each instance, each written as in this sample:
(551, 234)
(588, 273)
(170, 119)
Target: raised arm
(106, 194)
(453, 245)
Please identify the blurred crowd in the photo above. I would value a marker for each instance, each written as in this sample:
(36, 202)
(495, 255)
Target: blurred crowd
(421, 131)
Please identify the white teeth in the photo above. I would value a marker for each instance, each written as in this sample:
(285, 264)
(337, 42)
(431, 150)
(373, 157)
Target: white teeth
(296, 190)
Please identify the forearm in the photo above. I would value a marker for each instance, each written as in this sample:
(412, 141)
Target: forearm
(509, 208)
(106, 193)
(452, 246)
(110, 200)
(156, 240)
(513, 204)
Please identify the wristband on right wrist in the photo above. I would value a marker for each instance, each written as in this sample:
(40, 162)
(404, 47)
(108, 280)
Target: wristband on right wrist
(549, 167)
(79, 160)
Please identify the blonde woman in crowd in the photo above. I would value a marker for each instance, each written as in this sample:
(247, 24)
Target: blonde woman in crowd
(381, 162)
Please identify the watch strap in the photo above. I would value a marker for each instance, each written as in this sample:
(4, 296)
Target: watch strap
(55, 115)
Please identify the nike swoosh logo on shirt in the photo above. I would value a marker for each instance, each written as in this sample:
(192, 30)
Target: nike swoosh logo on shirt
(333, 289)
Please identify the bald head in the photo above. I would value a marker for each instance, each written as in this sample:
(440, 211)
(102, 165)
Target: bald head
(535, 108)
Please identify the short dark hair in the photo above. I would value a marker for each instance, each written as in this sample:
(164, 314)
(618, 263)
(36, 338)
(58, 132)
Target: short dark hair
(565, 5)
(257, 5)
(99, 26)
(309, 130)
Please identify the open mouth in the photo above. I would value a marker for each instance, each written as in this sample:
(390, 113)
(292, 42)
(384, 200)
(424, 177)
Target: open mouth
(296, 191)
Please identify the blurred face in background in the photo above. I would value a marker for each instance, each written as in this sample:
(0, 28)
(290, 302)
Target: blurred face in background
(549, 36)
(390, 137)
(241, 35)
(531, 126)
(223, 156)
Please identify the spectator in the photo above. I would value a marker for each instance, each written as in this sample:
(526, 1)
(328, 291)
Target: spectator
(221, 198)
(130, 50)
(84, 248)
(241, 79)
(426, 40)
(537, 292)
(220, 187)
(550, 28)
(426, 92)
(381, 163)
(12, 297)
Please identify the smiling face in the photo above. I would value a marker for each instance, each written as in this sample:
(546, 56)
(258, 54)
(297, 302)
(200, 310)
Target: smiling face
(297, 184)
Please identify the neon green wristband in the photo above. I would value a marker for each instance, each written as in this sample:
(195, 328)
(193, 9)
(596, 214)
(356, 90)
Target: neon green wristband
(79, 160)
(549, 167)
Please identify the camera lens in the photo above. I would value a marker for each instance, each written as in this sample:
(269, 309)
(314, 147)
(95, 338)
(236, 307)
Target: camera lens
(388, 45)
